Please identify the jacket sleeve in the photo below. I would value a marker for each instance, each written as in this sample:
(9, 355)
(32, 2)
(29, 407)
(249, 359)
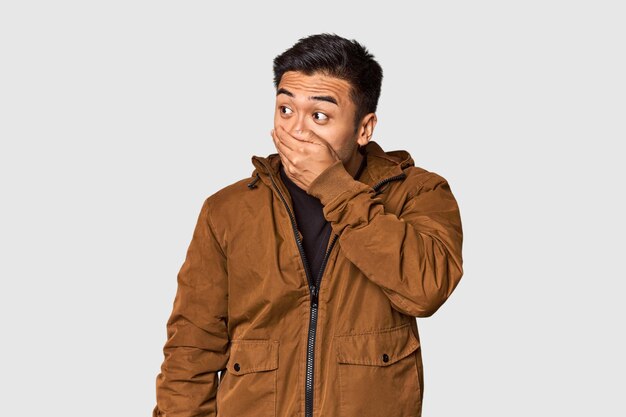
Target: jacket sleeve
(197, 345)
(415, 258)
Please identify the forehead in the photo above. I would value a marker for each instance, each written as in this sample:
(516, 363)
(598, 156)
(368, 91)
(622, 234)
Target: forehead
(317, 83)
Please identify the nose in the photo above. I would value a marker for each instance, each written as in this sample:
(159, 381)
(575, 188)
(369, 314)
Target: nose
(298, 125)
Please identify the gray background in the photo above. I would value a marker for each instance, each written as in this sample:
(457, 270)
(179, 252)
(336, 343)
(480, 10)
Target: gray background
(118, 118)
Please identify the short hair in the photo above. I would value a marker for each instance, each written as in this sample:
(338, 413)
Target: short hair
(333, 55)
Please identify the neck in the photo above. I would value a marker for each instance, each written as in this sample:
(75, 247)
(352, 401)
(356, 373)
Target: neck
(352, 166)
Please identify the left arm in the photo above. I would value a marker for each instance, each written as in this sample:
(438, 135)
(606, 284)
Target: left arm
(416, 257)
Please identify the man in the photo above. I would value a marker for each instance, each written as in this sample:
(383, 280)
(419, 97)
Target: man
(302, 283)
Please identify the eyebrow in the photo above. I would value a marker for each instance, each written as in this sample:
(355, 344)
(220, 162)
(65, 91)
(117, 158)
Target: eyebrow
(329, 99)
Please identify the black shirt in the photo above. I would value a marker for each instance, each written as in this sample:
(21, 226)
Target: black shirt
(310, 219)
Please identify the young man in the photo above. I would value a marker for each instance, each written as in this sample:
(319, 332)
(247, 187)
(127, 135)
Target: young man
(302, 282)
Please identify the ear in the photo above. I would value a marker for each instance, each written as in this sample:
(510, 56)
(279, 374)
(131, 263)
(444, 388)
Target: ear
(366, 129)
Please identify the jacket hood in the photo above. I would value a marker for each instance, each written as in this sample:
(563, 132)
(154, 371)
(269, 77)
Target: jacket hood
(381, 164)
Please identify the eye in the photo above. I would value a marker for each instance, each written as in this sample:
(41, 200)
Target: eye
(285, 110)
(322, 116)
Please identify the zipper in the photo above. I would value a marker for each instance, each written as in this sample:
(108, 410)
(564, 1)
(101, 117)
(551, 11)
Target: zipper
(314, 290)
(310, 351)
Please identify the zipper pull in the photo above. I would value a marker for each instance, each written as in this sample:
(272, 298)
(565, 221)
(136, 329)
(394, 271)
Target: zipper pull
(314, 296)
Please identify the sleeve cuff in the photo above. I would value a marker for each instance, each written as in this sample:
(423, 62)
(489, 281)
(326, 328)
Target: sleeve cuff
(332, 182)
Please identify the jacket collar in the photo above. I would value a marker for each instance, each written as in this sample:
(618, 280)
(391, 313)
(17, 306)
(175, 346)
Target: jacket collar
(380, 165)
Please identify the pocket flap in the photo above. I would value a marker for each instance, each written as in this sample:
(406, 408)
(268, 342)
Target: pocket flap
(252, 355)
(379, 348)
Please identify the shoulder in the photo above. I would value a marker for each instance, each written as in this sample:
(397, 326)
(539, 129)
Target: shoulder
(419, 179)
(230, 197)
(232, 208)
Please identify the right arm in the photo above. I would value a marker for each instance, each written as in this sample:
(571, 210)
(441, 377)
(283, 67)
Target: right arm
(197, 345)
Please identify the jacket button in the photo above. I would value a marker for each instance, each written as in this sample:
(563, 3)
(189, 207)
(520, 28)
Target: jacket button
(385, 357)
(236, 367)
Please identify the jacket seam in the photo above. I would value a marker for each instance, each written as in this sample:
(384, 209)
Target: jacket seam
(384, 330)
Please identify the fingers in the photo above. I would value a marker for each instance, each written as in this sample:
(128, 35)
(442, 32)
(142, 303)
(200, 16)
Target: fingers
(292, 148)
(281, 148)
(284, 138)
(301, 136)
(308, 136)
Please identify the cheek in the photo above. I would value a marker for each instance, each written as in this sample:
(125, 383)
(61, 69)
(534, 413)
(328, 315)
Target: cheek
(336, 135)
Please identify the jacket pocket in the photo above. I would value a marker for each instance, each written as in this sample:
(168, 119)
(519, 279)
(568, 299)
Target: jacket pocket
(377, 373)
(249, 386)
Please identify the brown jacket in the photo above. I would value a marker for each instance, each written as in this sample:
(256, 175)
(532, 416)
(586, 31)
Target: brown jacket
(343, 344)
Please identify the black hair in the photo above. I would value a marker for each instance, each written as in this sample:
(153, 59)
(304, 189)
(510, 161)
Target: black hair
(333, 55)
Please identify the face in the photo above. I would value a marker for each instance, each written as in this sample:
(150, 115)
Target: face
(321, 104)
